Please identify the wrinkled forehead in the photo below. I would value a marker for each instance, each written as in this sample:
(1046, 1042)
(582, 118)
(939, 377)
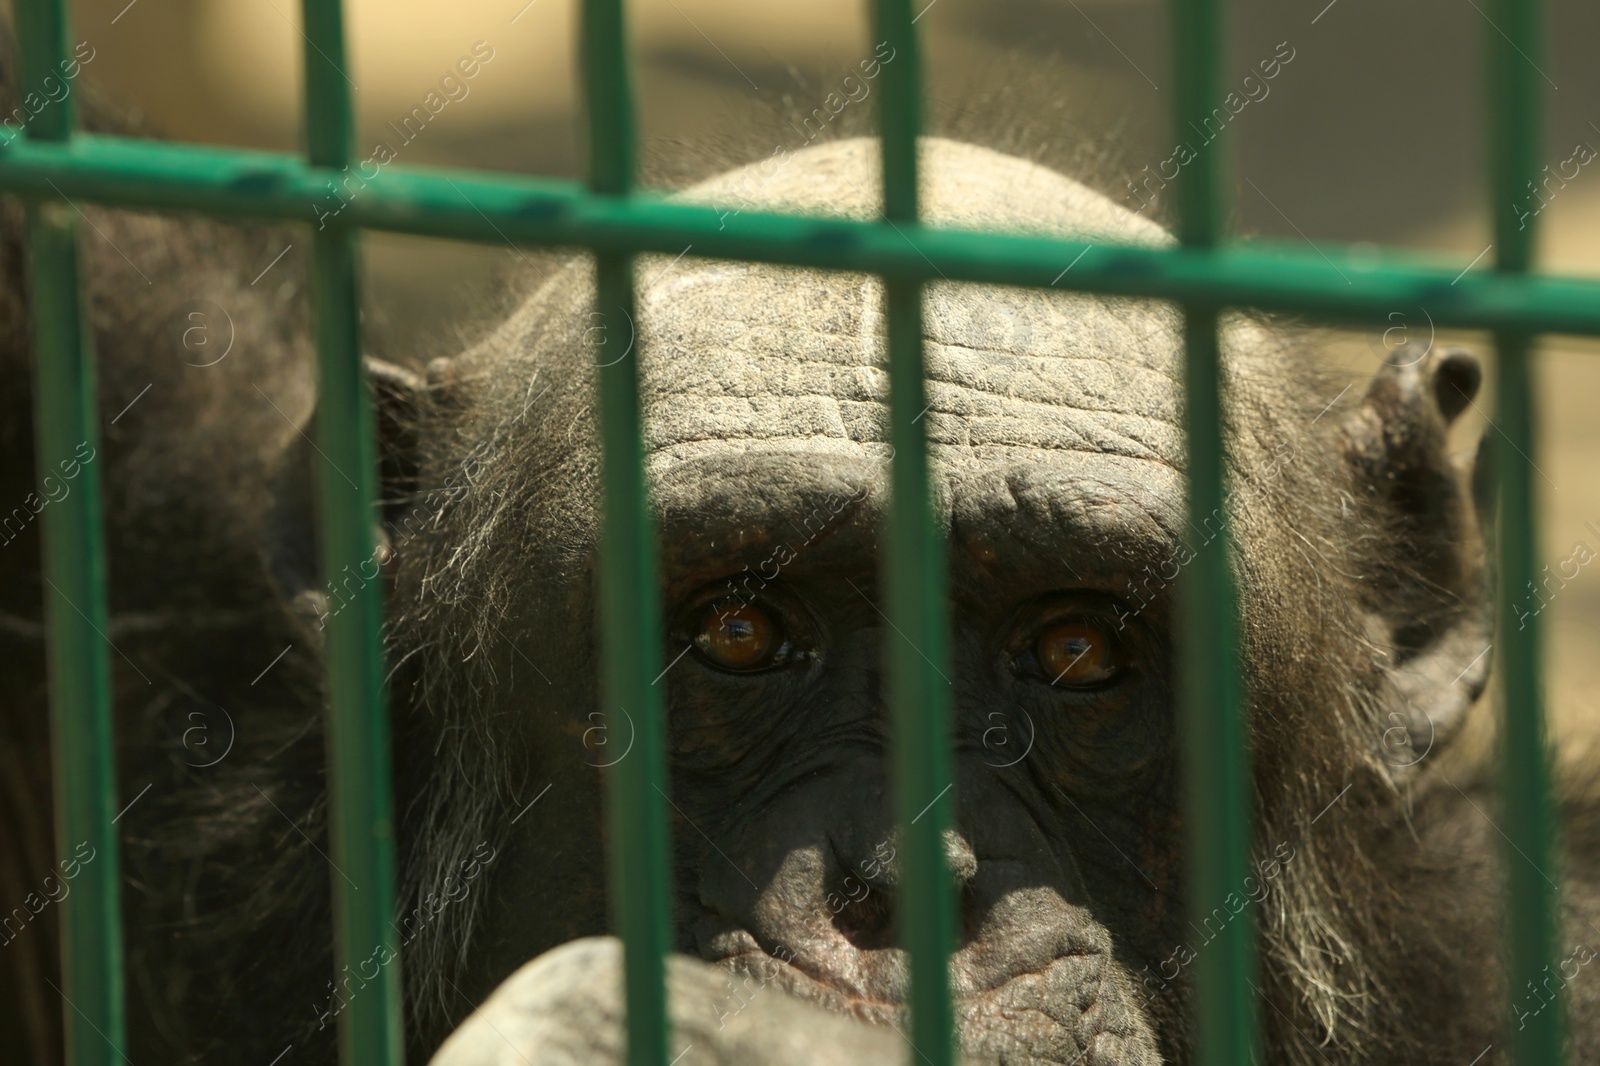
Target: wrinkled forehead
(764, 387)
(743, 353)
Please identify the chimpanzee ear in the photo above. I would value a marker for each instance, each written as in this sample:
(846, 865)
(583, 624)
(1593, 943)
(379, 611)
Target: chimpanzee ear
(1428, 586)
(290, 521)
(398, 396)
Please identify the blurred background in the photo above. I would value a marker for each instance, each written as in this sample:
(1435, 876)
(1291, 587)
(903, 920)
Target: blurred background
(1371, 131)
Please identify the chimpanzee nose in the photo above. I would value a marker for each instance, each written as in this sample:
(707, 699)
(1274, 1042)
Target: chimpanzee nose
(867, 922)
(865, 899)
(833, 913)
(822, 882)
(834, 923)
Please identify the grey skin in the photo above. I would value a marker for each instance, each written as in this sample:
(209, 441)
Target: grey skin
(1058, 464)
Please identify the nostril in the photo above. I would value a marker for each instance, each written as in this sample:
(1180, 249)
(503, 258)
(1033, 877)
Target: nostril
(866, 921)
(971, 914)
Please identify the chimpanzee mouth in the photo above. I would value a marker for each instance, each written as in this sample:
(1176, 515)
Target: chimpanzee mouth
(763, 971)
(1052, 1015)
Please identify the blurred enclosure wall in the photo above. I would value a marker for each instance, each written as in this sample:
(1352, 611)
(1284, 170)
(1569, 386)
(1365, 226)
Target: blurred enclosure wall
(1372, 132)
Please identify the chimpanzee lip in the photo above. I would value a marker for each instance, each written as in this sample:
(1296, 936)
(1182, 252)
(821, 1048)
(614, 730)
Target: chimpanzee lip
(1050, 1014)
(770, 969)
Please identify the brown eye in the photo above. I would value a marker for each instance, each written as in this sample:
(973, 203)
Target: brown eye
(1076, 655)
(738, 638)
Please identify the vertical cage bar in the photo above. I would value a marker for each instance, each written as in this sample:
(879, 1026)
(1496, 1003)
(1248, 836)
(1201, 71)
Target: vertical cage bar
(919, 694)
(919, 697)
(1199, 47)
(900, 115)
(1533, 931)
(82, 739)
(360, 790)
(1529, 816)
(640, 870)
(74, 568)
(1516, 117)
(1212, 725)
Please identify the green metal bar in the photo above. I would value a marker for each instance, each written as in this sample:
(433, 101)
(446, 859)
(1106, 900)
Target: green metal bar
(640, 868)
(900, 108)
(82, 741)
(329, 128)
(532, 211)
(608, 99)
(919, 696)
(1212, 726)
(42, 38)
(1199, 48)
(360, 783)
(1533, 928)
(1516, 117)
(82, 733)
(631, 627)
(66, 431)
(1532, 871)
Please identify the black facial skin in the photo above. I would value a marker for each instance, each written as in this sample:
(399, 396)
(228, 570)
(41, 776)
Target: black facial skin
(785, 768)
(1058, 471)
(787, 846)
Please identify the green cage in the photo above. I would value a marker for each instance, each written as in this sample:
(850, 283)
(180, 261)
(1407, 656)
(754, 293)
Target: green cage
(52, 166)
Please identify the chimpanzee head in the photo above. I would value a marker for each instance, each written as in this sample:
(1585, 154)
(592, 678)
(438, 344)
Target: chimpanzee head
(1057, 451)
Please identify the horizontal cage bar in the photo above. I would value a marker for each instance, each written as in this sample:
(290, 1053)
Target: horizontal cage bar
(473, 206)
